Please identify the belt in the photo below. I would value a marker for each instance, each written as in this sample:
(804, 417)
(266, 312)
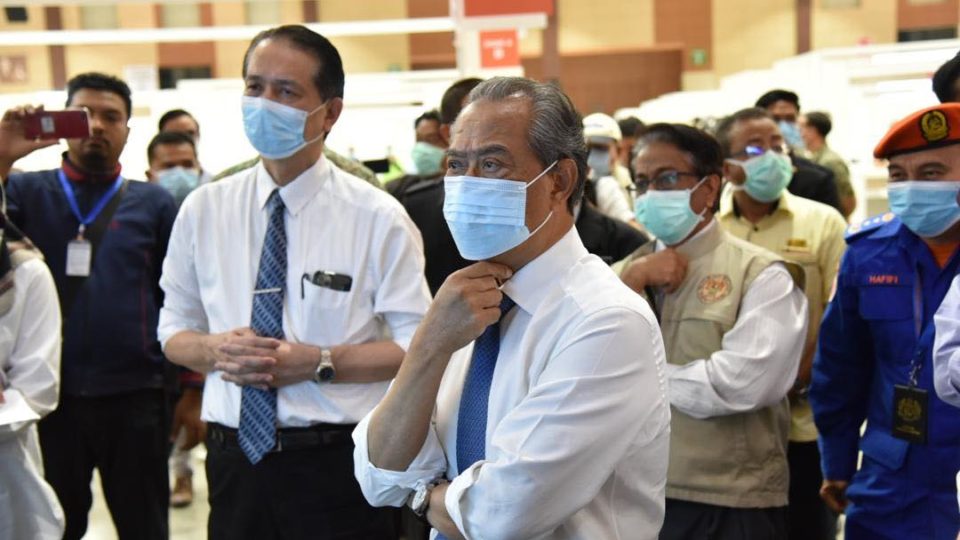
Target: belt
(315, 436)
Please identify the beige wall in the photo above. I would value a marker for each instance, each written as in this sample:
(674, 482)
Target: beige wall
(136, 16)
(368, 53)
(38, 69)
(754, 37)
(37, 58)
(590, 25)
(874, 20)
(81, 58)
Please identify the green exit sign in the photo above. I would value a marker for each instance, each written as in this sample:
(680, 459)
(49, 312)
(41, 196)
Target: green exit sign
(698, 57)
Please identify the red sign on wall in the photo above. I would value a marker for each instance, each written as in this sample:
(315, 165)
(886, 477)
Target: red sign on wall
(480, 8)
(499, 48)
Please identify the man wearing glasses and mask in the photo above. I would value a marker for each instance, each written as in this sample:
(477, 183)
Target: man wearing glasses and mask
(719, 300)
(757, 208)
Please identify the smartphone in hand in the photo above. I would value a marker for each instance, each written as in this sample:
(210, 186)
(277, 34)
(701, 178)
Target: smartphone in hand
(67, 124)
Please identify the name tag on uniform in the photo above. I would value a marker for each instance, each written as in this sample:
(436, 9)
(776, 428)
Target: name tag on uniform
(79, 255)
(910, 413)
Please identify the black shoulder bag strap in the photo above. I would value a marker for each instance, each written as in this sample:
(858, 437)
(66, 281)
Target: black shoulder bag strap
(94, 234)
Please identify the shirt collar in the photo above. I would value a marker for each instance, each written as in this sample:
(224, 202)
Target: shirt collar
(297, 193)
(530, 285)
(784, 203)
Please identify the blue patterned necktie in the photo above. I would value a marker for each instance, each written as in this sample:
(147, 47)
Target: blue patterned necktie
(472, 419)
(258, 408)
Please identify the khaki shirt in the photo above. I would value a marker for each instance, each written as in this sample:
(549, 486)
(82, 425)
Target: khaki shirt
(811, 235)
(825, 157)
(344, 164)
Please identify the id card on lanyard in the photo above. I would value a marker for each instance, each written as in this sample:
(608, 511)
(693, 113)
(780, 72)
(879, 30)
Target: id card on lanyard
(910, 402)
(80, 250)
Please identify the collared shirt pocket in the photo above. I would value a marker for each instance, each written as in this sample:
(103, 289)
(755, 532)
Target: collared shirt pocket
(325, 313)
(886, 304)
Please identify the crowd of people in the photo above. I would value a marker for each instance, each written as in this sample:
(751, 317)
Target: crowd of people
(558, 326)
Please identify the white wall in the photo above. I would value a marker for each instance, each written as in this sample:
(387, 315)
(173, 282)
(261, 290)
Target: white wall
(865, 89)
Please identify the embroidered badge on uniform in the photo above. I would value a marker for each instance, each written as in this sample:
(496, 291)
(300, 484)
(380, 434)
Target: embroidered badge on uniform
(714, 288)
(934, 126)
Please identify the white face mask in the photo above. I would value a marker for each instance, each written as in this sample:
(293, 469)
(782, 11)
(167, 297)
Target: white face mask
(488, 216)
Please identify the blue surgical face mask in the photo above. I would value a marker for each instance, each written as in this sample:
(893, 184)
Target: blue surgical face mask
(791, 134)
(926, 208)
(427, 158)
(275, 129)
(767, 175)
(179, 181)
(487, 216)
(667, 214)
(599, 161)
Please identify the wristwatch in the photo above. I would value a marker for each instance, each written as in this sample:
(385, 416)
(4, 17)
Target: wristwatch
(420, 500)
(325, 370)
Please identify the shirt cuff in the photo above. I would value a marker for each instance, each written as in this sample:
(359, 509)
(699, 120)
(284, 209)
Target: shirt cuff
(455, 493)
(383, 487)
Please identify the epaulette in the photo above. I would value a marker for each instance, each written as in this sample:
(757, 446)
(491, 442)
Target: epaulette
(868, 226)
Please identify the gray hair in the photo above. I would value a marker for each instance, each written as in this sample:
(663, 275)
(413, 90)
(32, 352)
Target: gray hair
(556, 130)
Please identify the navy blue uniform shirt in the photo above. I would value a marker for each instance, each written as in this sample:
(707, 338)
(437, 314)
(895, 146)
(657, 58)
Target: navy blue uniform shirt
(110, 333)
(879, 321)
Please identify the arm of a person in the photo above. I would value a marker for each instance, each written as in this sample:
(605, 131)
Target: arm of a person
(946, 347)
(385, 487)
(831, 251)
(601, 397)
(402, 299)
(35, 359)
(182, 328)
(842, 371)
(757, 363)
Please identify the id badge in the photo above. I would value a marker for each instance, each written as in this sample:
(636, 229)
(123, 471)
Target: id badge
(910, 408)
(79, 255)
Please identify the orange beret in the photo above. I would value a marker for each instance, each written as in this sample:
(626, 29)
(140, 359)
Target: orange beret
(925, 129)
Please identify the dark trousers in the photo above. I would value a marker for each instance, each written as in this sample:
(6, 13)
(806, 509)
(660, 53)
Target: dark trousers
(303, 493)
(686, 520)
(810, 518)
(125, 438)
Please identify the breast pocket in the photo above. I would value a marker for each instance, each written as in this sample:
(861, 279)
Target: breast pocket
(325, 314)
(888, 311)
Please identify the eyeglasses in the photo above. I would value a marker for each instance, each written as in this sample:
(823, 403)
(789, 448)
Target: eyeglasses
(755, 151)
(664, 182)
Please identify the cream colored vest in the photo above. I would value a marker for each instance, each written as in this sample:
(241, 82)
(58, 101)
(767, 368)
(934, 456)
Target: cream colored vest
(738, 460)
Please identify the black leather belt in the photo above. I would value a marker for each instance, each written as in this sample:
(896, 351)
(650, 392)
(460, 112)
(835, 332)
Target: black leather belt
(315, 436)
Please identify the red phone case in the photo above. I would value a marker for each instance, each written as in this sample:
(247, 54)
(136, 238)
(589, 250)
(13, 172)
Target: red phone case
(56, 125)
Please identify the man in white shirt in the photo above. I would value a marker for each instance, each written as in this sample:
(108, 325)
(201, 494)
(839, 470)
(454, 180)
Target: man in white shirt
(734, 320)
(554, 422)
(296, 287)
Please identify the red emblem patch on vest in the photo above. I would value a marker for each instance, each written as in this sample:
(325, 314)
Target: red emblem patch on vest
(714, 288)
(884, 279)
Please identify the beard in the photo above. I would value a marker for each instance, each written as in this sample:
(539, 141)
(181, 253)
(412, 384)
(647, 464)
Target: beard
(96, 157)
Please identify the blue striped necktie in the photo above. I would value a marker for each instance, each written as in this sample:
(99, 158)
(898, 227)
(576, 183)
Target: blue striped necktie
(258, 408)
(472, 419)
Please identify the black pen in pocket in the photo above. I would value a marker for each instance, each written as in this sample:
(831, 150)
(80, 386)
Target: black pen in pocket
(328, 280)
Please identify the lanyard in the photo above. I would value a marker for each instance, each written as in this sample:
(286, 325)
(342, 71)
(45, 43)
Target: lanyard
(97, 208)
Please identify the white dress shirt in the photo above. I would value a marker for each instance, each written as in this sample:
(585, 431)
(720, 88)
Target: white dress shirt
(946, 347)
(760, 357)
(30, 365)
(578, 421)
(334, 222)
